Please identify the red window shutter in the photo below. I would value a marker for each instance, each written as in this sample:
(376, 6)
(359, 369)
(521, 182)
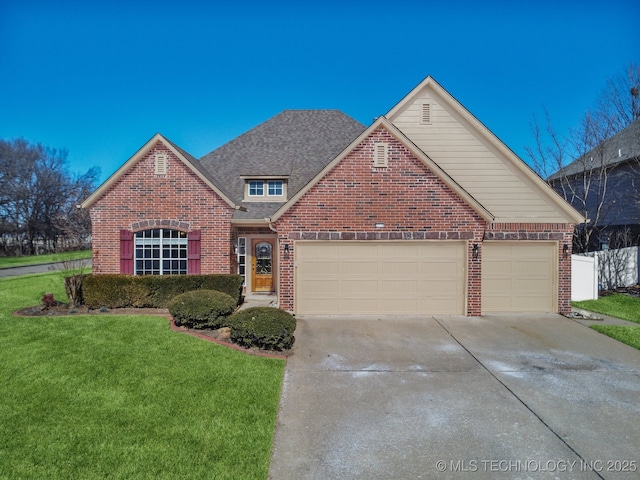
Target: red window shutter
(126, 252)
(193, 252)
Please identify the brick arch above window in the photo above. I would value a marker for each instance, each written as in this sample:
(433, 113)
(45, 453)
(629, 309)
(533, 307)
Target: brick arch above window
(171, 224)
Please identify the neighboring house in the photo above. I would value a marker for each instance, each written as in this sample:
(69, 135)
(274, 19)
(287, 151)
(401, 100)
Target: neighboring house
(610, 176)
(423, 212)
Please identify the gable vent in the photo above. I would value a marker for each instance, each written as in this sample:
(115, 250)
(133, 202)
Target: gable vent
(161, 164)
(426, 113)
(380, 155)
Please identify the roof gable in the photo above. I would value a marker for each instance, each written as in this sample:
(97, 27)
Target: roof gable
(476, 159)
(382, 122)
(183, 156)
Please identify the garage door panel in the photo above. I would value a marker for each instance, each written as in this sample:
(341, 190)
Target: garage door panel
(381, 277)
(358, 268)
(519, 277)
(322, 268)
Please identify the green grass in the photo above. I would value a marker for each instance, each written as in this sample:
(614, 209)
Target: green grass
(621, 306)
(107, 396)
(617, 305)
(625, 334)
(35, 259)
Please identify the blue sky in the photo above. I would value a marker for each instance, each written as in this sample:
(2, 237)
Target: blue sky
(101, 78)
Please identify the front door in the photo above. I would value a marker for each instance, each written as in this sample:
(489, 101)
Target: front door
(262, 266)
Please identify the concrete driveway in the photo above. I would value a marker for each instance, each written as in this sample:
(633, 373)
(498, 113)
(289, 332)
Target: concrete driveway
(502, 396)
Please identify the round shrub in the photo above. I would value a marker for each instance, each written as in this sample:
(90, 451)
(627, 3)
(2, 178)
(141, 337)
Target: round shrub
(263, 327)
(201, 308)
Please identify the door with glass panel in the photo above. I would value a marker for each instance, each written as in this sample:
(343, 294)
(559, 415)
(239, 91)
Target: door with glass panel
(262, 266)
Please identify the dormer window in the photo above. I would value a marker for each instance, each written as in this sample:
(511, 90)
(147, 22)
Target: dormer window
(274, 188)
(256, 188)
(265, 190)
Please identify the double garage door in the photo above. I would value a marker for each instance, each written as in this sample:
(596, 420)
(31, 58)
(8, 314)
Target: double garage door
(385, 278)
(407, 278)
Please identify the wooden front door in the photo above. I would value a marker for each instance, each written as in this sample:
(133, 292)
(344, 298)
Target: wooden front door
(262, 266)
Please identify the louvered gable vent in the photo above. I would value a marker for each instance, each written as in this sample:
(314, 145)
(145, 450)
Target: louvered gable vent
(161, 164)
(380, 155)
(426, 113)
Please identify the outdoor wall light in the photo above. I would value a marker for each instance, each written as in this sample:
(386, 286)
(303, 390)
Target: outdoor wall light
(379, 225)
(475, 251)
(286, 251)
(565, 250)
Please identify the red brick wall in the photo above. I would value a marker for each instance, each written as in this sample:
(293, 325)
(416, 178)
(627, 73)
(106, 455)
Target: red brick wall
(560, 232)
(412, 202)
(179, 200)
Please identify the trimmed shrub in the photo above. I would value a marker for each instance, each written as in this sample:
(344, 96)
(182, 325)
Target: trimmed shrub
(154, 291)
(263, 327)
(201, 308)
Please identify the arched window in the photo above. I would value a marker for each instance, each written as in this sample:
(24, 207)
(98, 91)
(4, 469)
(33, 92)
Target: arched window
(161, 252)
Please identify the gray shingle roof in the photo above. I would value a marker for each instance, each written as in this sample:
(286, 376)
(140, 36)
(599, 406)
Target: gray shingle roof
(295, 144)
(623, 146)
(198, 166)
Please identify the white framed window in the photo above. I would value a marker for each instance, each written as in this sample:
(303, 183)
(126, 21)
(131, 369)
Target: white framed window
(274, 188)
(256, 188)
(241, 256)
(265, 190)
(160, 251)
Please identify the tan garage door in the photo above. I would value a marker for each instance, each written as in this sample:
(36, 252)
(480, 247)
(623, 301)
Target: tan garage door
(519, 277)
(364, 278)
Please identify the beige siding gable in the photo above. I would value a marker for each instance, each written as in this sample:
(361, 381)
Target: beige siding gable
(476, 159)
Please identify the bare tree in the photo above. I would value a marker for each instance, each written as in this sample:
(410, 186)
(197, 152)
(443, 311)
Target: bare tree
(593, 182)
(38, 197)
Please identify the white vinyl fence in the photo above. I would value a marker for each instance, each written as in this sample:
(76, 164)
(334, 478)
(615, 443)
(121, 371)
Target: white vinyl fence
(584, 278)
(603, 270)
(617, 268)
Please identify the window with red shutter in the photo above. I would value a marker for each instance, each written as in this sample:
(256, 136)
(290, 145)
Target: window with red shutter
(126, 252)
(193, 252)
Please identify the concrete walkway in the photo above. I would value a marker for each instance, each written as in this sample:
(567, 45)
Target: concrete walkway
(502, 396)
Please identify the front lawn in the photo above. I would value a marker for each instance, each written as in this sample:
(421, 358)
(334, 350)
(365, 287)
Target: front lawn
(625, 334)
(49, 258)
(126, 397)
(617, 305)
(621, 306)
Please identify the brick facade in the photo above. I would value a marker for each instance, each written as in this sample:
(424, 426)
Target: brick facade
(408, 198)
(412, 202)
(179, 200)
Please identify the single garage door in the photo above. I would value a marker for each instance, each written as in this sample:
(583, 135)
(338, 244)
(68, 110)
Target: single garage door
(519, 277)
(366, 278)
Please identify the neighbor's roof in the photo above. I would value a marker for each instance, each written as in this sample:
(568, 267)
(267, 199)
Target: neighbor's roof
(623, 146)
(295, 144)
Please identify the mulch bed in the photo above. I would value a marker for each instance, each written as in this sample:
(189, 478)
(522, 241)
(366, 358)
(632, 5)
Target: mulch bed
(633, 290)
(60, 308)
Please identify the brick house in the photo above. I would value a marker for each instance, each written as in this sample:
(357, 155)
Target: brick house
(423, 212)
